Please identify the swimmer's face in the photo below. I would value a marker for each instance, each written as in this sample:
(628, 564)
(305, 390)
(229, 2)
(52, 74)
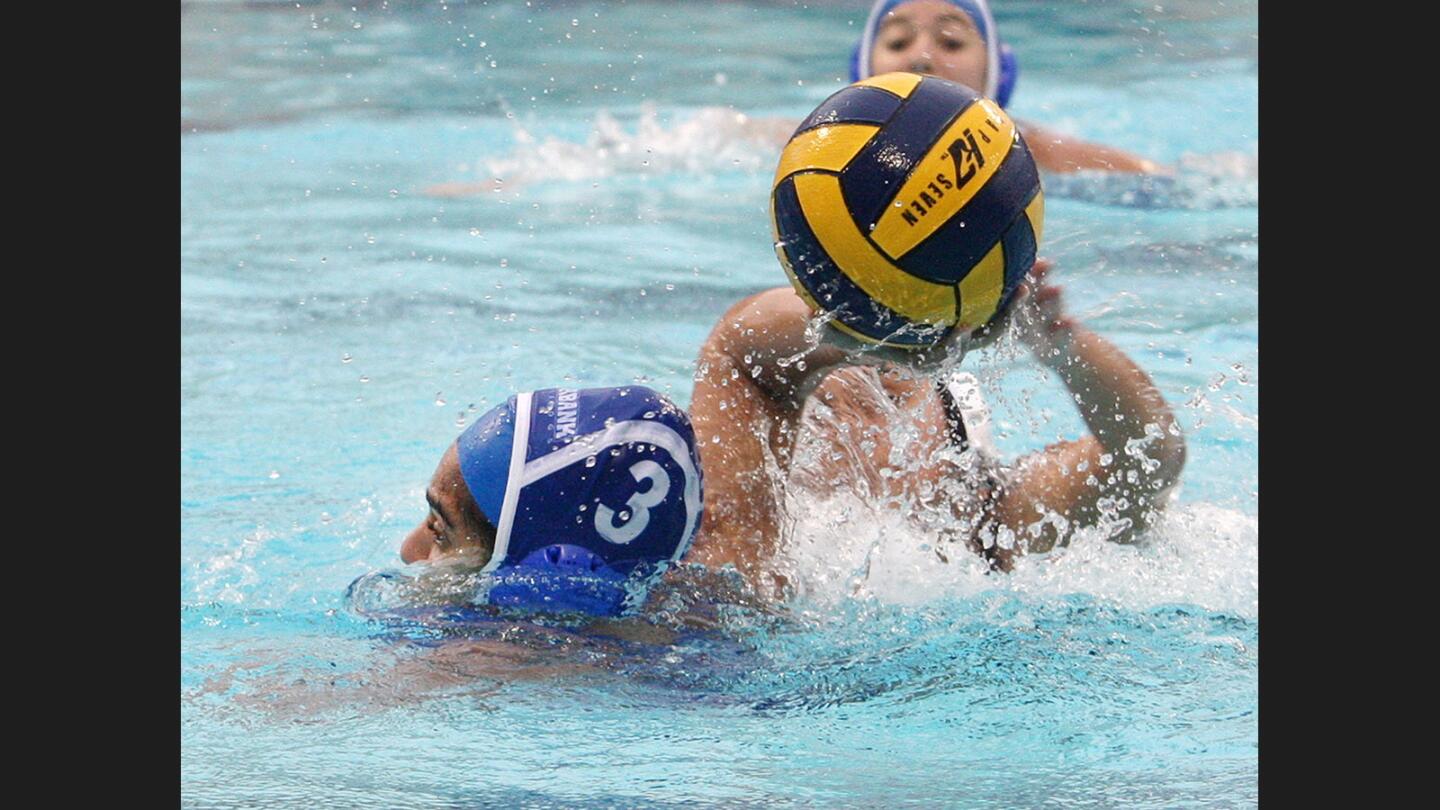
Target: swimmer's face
(453, 532)
(930, 37)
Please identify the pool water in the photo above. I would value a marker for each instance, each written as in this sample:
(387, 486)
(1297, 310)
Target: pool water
(340, 325)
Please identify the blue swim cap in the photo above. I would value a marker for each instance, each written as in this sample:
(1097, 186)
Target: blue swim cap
(1001, 67)
(586, 488)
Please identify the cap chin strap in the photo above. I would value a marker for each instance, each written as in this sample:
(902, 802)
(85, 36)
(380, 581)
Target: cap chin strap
(1009, 74)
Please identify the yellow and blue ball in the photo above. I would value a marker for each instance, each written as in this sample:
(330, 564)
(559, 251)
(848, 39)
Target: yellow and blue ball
(908, 207)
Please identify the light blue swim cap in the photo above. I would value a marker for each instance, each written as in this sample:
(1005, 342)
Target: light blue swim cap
(1001, 68)
(584, 487)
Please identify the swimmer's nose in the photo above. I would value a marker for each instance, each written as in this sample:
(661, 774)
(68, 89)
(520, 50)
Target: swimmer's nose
(417, 545)
(921, 64)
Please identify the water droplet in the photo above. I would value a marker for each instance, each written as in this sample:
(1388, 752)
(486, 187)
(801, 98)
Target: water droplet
(439, 400)
(345, 358)
(274, 474)
(590, 461)
(364, 379)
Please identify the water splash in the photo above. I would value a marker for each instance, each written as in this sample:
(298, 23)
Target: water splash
(709, 140)
(881, 521)
(1200, 182)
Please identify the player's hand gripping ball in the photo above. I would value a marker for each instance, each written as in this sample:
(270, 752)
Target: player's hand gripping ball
(908, 208)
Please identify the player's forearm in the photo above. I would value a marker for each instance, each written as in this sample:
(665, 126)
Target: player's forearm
(1062, 154)
(1119, 402)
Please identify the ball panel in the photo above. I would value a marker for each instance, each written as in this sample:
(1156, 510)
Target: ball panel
(863, 105)
(1036, 213)
(981, 290)
(795, 282)
(912, 298)
(881, 168)
(962, 241)
(779, 242)
(822, 284)
(969, 216)
(1020, 242)
(828, 148)
(960, 163)
(901, 84)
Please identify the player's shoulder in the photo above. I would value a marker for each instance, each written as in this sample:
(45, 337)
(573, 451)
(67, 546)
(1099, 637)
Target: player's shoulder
(755, 315)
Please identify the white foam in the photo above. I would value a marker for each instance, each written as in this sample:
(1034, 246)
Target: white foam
(711, 139)
(1199, 182)
(1198, 553)
(854, 534)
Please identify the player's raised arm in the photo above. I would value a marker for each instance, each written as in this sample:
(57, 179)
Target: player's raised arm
(1118, 476)
(749, 383)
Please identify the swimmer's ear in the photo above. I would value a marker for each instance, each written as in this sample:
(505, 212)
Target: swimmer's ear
(1009, 74)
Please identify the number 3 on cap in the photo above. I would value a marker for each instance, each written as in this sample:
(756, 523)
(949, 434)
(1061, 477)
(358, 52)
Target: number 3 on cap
(639, 504)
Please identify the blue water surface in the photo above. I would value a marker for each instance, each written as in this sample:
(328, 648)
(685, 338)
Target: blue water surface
(340, 323)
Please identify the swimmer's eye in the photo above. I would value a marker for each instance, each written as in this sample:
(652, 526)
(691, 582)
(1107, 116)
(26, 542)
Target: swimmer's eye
(952, 44)
(898, 44)
(897, 35)
(435, 529)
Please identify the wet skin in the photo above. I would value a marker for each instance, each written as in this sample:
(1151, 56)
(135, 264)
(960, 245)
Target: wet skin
(453, 530)
(934, 38)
